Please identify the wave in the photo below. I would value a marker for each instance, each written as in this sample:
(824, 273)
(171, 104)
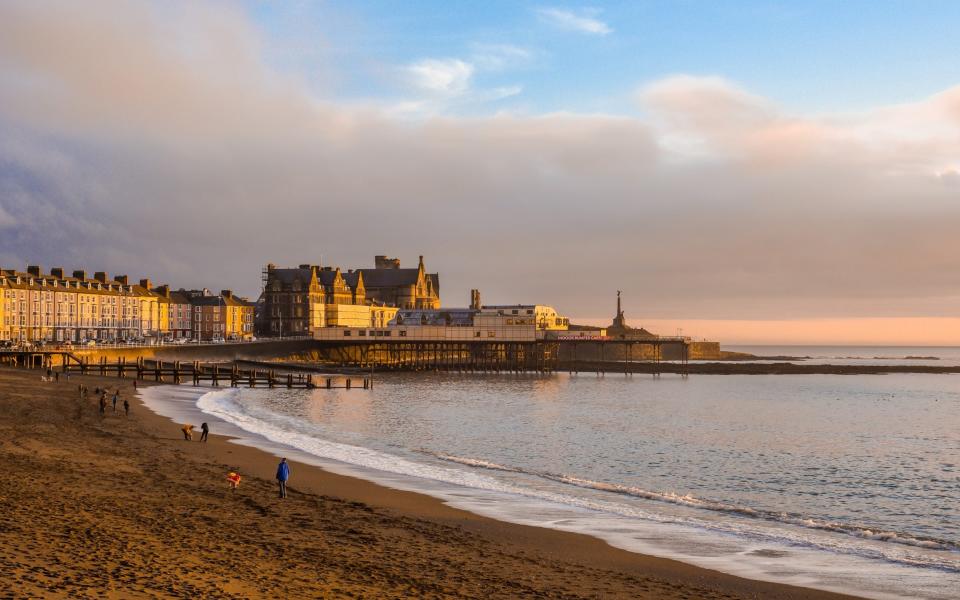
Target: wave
(712, 505)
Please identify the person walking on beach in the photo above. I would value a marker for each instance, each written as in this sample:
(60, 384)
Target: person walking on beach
(134, 385)
(115, 395)
(126, 408)
(187, 432)
(103, 404)
(204, 431)
(283, 474)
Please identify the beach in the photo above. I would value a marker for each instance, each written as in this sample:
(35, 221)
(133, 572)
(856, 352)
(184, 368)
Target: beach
(124, 507)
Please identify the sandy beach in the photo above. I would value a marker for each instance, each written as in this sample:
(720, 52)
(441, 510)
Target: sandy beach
(123, 507)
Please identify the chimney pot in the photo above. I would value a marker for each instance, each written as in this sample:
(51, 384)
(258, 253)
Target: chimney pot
(82, 275)
(100, 276)
(34, 270)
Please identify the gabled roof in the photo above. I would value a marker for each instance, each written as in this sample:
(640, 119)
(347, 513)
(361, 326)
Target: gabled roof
(354, 279)
(327, 277)
(288, 276)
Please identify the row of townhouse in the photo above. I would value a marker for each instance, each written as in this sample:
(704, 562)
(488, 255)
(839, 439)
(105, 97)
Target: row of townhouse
(37, 306)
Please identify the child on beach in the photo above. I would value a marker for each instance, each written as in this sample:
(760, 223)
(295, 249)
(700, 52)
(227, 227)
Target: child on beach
(126, 408)
(234, 478)
(204, 431)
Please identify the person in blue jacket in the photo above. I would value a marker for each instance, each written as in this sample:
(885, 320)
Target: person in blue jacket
(283, 474)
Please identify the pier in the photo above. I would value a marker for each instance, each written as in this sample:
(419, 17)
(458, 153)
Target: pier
(233, 365)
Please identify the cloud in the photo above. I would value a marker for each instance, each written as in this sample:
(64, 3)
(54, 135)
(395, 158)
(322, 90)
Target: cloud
(499, 57)
(6, 219)
(448, 76)
(570, 21)
(191, 161)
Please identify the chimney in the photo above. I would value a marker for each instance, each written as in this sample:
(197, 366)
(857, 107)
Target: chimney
(226, 293)
(57, 272)
(475, 299)
(82, 275)
(100, 276)
(145, 283)
(164, 290)
(34, 270)
(121, 279)
(304, 266)
(382, 261)
(421, 261)
(271, 266)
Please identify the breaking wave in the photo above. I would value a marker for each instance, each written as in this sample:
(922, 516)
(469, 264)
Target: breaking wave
(700, 503)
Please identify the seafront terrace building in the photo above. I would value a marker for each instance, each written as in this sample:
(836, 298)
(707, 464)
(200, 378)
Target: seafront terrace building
(224, 317)
(56, 307)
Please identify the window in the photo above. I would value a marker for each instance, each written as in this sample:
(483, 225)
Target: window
(476, 334)
(346, 333)
(529, 311)
(403, 333)
(491, 334)
(515, 312)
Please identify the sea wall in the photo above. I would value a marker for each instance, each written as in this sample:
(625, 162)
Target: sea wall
(302, 349)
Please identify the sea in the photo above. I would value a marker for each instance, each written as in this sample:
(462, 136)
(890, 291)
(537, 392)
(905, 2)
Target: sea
(847, 483)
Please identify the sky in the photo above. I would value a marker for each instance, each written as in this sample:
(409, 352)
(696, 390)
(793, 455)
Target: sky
(756, 172)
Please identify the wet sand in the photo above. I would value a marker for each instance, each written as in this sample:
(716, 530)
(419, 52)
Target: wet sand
(119, 507)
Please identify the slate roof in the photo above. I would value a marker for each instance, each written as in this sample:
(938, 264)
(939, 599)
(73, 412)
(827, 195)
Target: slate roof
(376, 278)
(288, 276)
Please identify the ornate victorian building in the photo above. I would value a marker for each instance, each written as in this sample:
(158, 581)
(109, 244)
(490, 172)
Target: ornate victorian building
(298, 300)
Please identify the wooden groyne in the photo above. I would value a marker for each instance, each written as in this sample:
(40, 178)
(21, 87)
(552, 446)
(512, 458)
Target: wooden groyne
(194, 372)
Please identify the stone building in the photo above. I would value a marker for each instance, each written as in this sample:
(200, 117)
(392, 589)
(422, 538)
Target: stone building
(293, 301)
(298, 300)
(390, 285)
